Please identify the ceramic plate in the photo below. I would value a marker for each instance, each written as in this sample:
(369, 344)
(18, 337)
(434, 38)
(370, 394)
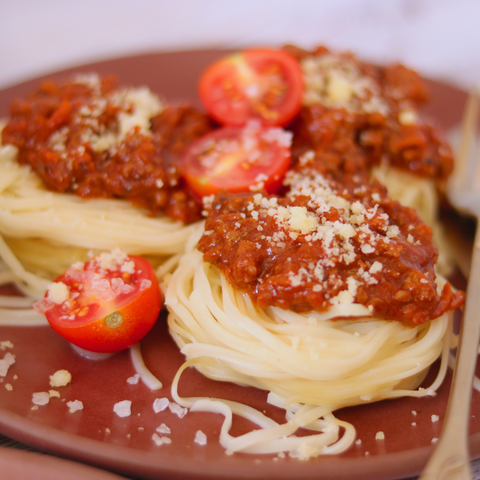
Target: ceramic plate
(20, 464)
(96, 435)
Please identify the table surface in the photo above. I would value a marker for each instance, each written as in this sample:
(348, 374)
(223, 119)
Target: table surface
(439, 38)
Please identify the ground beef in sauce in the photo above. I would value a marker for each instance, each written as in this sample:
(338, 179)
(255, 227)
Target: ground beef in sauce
(378, 106)
(93, 138)
(327, 243)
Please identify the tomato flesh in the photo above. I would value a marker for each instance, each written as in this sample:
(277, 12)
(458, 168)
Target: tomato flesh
(238, 159)
(105, 305)
(263, 84)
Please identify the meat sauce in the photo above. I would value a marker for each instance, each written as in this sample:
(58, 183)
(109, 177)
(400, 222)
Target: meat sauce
(327, 243)
(94, 139)
(375, 108)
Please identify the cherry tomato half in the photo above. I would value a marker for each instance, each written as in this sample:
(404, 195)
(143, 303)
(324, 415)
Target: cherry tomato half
(105, 305)
(262, 84)
(238, 159)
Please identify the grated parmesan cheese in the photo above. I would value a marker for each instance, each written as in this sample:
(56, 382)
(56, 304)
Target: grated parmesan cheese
(40, 398)
(5, 363)
(133, 380)
(160, 440)
(366, 249)
(123, 408)
(160, 404)
(128, 267)
(200, 438)
(6, 344)
(337, 81)
(75, 406)
(135, 106)
(112, 260)
(163, 429)
(177, 409)
(58, 293)
(60, 378)
(305, 451)
(408, 117)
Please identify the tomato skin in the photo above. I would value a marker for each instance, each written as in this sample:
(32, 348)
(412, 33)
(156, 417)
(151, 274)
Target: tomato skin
(139, 310)
(263, 84)
(237, 159)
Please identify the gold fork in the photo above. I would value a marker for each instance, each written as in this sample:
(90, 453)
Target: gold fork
(450, 458)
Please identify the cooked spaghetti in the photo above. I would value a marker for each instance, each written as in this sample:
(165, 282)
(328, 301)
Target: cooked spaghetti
(313, 364)
(326, 298)
(44, 232)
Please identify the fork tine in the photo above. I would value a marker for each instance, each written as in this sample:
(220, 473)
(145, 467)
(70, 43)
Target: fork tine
(464, 157)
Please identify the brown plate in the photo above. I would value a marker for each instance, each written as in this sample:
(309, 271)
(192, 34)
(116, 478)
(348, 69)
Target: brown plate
(20, 464)
(96, 435)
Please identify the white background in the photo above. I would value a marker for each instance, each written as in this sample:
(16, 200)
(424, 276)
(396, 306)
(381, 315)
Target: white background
(439, 38)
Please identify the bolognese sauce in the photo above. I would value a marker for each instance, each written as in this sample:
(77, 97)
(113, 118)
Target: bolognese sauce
(377, 106)
(93, 138)
(327, 243)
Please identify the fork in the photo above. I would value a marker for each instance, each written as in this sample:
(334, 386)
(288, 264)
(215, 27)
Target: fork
(450, 457)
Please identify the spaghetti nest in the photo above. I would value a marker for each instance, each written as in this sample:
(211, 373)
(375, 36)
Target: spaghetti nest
(42, 233)
(312, 364)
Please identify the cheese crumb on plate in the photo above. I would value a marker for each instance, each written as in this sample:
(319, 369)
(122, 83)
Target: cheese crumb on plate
(123, 408)
(60, 378)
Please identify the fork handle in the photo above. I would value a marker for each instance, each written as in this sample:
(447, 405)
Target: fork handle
(450, 458)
